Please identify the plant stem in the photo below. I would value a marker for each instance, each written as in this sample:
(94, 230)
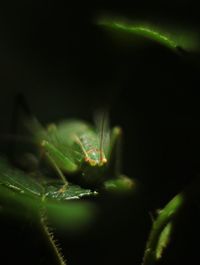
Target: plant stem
(158, 238)
(53, 242)
(165, 217)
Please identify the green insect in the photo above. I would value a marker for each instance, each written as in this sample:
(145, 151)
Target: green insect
(75, 147)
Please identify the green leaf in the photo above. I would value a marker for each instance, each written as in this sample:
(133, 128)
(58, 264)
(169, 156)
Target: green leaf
(52, 191)
(23, 194)
(164, 35)
(18, 181)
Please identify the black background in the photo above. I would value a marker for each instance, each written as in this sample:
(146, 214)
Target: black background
(66, 65)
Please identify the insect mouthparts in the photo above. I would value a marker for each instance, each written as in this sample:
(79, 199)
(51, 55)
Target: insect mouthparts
(93, 162)
(103, 161)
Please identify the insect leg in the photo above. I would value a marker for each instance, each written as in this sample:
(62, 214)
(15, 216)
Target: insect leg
(59, 172)
(115, 150)
(119, 182)
(58, 160)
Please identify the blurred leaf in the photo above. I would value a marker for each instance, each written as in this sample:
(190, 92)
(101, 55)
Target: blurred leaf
(123, 184)
(170, 38)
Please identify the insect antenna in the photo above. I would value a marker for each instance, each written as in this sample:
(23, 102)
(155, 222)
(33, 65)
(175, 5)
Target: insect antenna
(102, 125)
(102, 135)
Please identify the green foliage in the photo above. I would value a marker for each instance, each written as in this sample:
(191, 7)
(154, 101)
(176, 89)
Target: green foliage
(164, 240)
(24, 194)
(169, 38)
(161, 231)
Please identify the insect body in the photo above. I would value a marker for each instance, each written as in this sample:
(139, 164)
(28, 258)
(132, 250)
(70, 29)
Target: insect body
(76, 147)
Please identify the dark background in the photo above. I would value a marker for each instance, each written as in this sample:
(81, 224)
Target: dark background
(66, 65)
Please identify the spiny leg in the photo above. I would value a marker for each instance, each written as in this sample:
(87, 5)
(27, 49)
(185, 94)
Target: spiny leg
(58, 171)
(56, 158)
(42, 152)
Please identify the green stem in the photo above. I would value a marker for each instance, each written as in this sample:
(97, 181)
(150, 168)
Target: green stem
(53, 243)
(161, 230)
(165, 217)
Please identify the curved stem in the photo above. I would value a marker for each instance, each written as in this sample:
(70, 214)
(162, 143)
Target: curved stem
(162, 227)
(53, 242)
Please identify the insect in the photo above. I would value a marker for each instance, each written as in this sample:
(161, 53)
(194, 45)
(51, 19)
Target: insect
(75, 147)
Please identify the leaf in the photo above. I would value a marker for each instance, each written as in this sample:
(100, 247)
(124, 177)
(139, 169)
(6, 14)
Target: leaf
(23, 194)
(17, 180)
(165, 35)
(72, 192)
